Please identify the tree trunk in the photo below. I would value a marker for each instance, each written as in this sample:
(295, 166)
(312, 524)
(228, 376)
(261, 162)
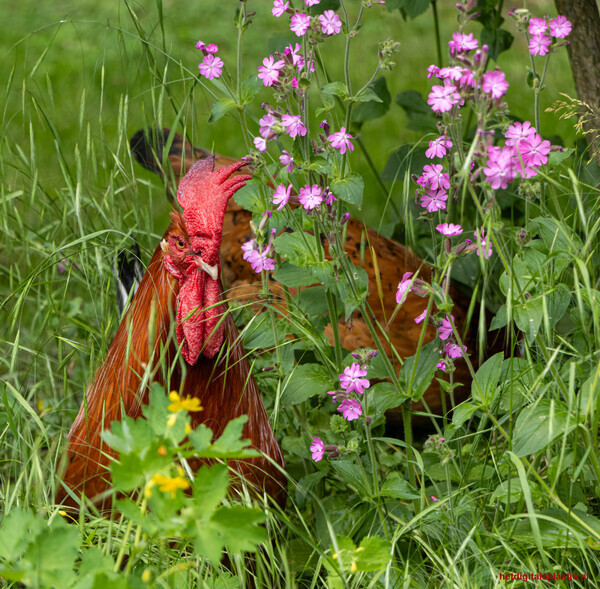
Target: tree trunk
(584, 56)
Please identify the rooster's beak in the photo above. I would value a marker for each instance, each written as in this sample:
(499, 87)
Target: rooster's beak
(212, 271)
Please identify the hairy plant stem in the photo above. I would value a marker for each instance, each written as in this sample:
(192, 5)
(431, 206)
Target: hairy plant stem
(436, 30)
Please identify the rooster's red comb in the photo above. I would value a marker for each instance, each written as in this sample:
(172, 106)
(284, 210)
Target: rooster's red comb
(203, 192)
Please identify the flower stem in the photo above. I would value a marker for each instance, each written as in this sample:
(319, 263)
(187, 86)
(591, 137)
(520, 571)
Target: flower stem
(436, 29)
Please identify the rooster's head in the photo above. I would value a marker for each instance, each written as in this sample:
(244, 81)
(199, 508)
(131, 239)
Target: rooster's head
(191, 254)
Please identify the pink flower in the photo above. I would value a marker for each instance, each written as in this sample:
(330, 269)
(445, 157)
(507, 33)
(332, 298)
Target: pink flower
(494, 83)
(341, 140)
(300, 23)
(293, 125)
(311, 2)
(433, 70)
(330, 23)
(285, 159)
(435, 177)
(518, 131)
(352, 381)
(537, 26)
(454, 351)
(329, 198)
(212, 48)
(297, 59)
(441, 366)
(266, 125)
(279, 7)
(539, 44)
(269, 71)
(261, 144)
(421, 317)
(445, 329)
(310, 196)
(449, 229)
(534, 151)
(560, 27)
(211, 67)
(200, 45)
(317, 448)
(453, 73)
(438, 147)
(259, 261)
(248, 248)
(501, 164)
(403, 287)
(434, 200)
(434, 499)
(281, 196)
(443, 98)
(463, 42)
(350, 409)
(484, 247)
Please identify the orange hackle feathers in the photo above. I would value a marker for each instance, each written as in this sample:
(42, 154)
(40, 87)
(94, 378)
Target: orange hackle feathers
(146, 342)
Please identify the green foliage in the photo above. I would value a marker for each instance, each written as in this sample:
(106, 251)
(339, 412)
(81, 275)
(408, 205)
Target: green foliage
(506, 482)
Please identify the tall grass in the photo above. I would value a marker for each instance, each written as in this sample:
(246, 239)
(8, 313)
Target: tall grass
(72, 197)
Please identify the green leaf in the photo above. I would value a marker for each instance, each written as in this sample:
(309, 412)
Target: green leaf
(128, 436)
(463, 412)
(556, 235)
(409, 8)
(249, 198)
(351, 474)
(156, 412)
(336, 89)
(18, 529)
(373, 554)
(318, 164)
(487, 378)
(52, 555)
(220, 108)
(387, 396)
(500, 319)
(210, 486)
(349, 189)
(498, 40)
(367, 111)
(293, 276)
(296, 248)
(557, 302)
(405, 160)
(423, 372)
(367, 95)
(555, 158)
(307, 380)
(231, 444)
(235, 528)
(395, 486)
(201, 438)
(539, 425)
(360, 285)
(528, 317)
(413, 103)
(251, 86)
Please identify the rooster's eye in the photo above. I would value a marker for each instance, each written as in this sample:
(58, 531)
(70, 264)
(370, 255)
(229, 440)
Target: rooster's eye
(180, 244)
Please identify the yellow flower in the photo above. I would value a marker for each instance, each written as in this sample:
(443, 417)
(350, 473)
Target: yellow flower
(172, 419)
(187, 403)
(188, 428)
(353, 567)
(170, 484)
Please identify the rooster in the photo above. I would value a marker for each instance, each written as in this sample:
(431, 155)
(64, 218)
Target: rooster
(181, 284)
(384, 260)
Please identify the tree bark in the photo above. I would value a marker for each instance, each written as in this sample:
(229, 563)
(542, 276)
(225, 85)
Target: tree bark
(584, 56)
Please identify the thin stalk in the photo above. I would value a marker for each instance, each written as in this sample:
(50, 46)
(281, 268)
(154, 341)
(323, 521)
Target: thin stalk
(436, 30)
